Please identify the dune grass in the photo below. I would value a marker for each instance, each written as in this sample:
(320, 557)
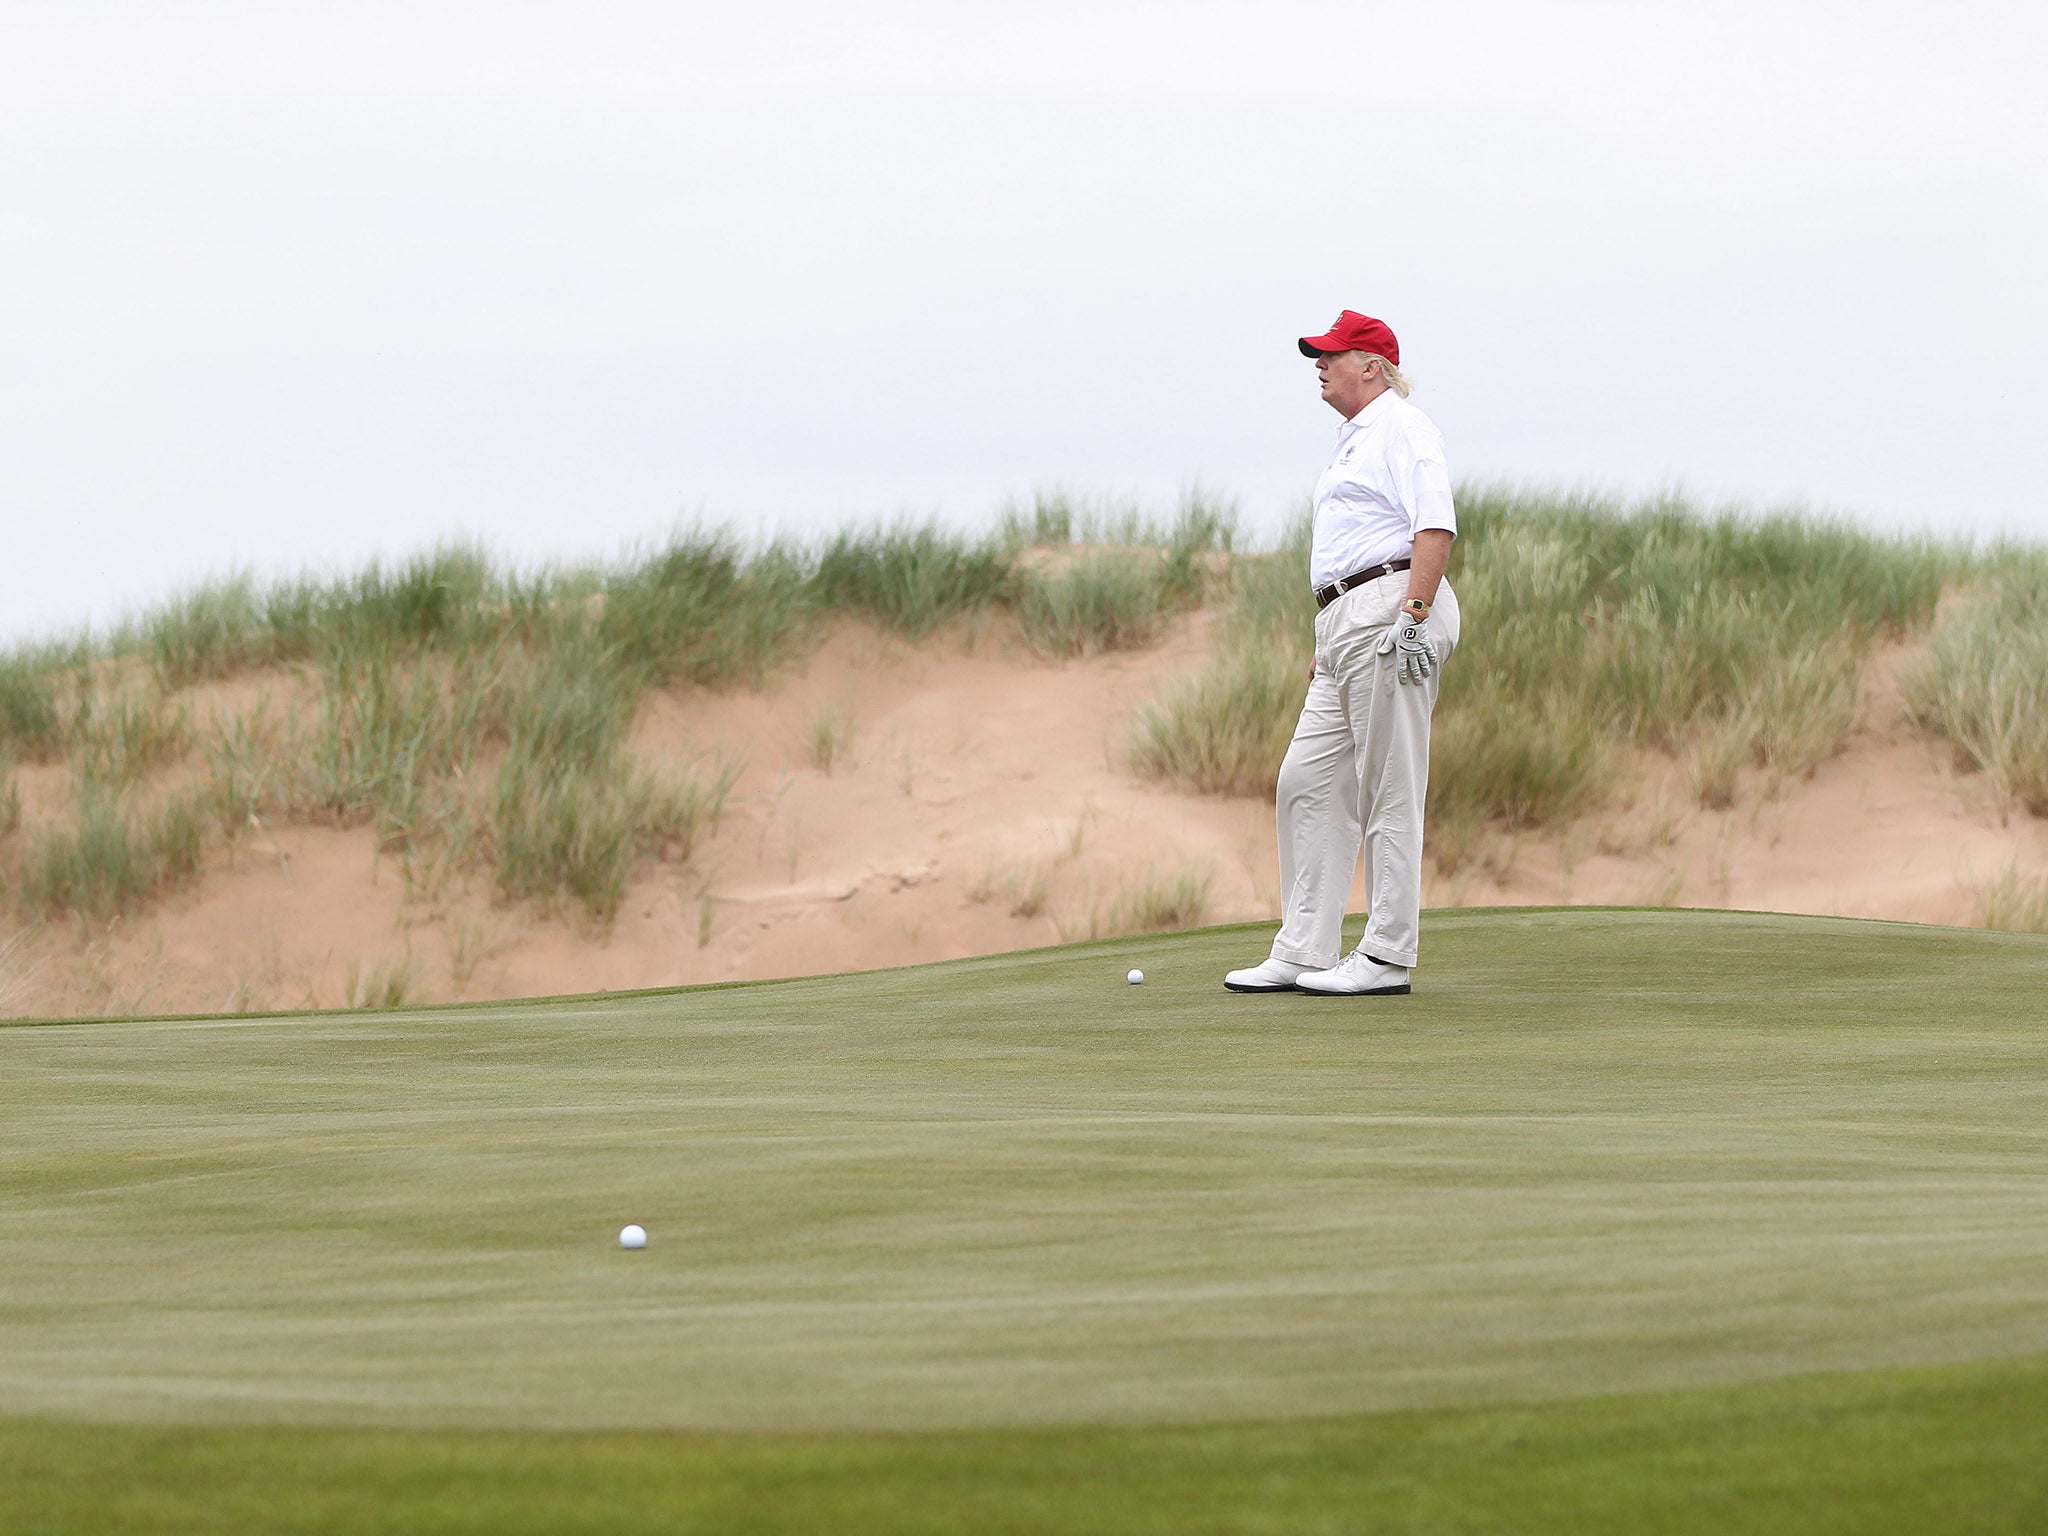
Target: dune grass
(1597, 631)
(31, 723)
(382, 985)
(1592, 627)
(2014, 899)
(1155, 900)
(1594, 1232)
(698, 610)
(1224, 730)
(1023, 887)
(575, 835)
(909, 579)
(121, 735)
(1200, 522)
(477, 715)
(1129, 576)
(1106, 600)
(1984, 683)
(829, 733)
(109, 859)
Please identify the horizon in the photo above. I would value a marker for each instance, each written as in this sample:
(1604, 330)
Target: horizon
(289, 292)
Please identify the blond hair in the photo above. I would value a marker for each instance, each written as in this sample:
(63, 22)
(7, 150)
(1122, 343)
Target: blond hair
(1397, 381)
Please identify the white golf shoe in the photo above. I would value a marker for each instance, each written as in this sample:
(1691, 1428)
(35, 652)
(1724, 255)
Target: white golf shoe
(1356, 975)
(1267, 976)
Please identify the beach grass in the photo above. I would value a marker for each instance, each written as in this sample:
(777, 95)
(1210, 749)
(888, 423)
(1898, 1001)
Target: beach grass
(829, 733)
(382, 984)
(1625, 1220)
(1224, 729)
(1105, 600)
(1156, 900)
(1593, 628)
(109, 858)
(1599, 633)
(910, 579)
(2014, 899)
(122, 735)
(700, 610)
(476, 715)
(1983, 685)
(31, 723)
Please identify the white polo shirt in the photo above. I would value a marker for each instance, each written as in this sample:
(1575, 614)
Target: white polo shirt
(1386, 482)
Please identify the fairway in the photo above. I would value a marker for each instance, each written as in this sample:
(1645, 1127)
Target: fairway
(1597, 1152)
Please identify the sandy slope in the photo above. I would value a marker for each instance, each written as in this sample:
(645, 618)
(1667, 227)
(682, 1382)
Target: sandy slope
(982, 806)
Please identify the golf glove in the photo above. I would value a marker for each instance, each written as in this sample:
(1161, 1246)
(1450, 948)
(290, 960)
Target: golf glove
(1409, 640)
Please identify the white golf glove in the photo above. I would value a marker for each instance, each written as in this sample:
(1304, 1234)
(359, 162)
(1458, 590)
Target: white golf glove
(1409, 639)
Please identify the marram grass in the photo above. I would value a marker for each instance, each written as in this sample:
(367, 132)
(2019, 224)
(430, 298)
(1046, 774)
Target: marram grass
(478, 716)
(2014, 899)
(1595, 630)
(1106, 600)
(1983, 684)
(109, 858)
(1590, 628)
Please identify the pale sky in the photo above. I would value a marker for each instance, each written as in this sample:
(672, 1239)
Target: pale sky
(289, 285)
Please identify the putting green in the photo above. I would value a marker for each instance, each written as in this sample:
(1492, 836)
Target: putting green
(1596, 1152)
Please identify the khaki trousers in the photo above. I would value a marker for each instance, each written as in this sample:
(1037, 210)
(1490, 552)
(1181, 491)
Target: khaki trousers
(1358, 770)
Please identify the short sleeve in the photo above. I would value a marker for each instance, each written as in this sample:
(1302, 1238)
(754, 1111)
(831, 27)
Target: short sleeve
(1424, 482)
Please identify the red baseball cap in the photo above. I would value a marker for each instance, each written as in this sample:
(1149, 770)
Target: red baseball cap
(1354, 332)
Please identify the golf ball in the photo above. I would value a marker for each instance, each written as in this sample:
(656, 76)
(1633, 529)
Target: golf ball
(632, 1235)
(1135, 977)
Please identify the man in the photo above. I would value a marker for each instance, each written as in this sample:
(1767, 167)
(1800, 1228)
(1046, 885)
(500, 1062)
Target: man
(1386, 621)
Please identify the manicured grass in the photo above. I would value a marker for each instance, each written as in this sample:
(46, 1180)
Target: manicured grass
(1599, 1151)
(1959, 1448)
(1007, 1244)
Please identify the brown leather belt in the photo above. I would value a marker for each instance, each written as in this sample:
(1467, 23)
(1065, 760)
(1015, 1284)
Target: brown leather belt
(1336, 589)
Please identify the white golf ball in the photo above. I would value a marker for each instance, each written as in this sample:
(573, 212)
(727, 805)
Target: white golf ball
(1135, 977)
(632, 1235)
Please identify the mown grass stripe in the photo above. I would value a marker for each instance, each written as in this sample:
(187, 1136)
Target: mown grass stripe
(1959, 1447)
(1599, 1150)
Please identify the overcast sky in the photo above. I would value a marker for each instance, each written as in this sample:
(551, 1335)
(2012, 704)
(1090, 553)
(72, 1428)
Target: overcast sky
(286, 285)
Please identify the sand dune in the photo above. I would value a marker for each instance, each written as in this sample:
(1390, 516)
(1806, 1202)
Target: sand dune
(980, 804)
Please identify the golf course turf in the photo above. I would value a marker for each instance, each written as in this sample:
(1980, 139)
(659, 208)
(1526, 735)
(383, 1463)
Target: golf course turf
(1628, 1220)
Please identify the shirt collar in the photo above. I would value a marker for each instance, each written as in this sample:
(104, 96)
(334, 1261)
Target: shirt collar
(1374, 409)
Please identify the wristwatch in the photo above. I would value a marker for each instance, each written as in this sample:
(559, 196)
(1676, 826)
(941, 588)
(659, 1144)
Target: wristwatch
(1416, 609)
